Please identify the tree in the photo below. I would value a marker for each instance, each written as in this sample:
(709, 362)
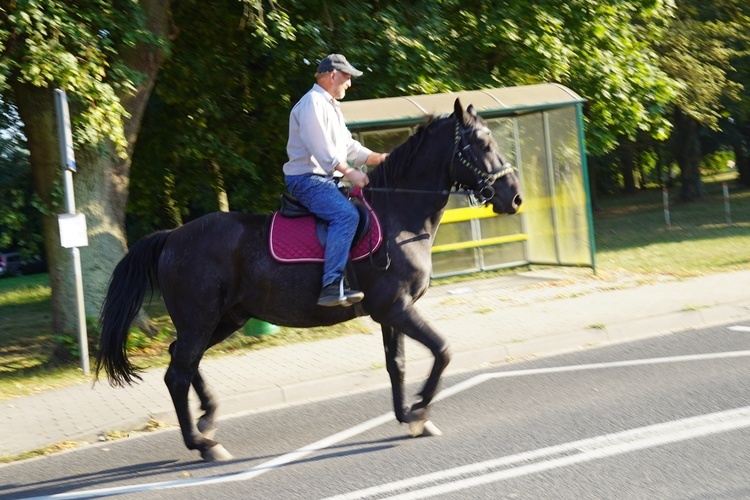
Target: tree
(106, 56)
(737, 124)
(697, 54)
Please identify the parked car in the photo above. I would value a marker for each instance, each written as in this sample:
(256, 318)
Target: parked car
(12, 264)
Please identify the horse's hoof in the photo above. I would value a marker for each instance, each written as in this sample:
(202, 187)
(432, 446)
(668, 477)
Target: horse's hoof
(431, 429)
(416, 428)
(216, 454)
(423, 428)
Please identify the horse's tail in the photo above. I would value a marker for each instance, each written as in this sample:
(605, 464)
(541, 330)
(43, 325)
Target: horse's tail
(127, 288)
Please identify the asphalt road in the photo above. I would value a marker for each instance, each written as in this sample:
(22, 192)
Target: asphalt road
(663, 418)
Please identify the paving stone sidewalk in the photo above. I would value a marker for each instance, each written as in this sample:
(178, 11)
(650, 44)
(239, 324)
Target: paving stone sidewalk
(487, 321)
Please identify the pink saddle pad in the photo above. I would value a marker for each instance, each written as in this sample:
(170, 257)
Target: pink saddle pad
(294, 240)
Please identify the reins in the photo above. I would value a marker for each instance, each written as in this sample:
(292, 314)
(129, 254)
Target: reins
(411, 191)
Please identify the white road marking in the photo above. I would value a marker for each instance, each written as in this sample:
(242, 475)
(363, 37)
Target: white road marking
(230, 478)
(740, 328)
(466, 384)
(572, 453)
(378, 421)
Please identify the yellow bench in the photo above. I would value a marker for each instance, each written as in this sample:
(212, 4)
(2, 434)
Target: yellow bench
(469, 213)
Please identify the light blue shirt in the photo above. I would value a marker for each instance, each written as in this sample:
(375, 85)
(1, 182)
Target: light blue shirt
(318, 137)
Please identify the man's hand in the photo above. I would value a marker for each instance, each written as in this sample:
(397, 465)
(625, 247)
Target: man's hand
(357, 177)
(376, 158)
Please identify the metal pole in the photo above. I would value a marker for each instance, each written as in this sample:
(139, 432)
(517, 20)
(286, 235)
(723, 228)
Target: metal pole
(727, 210)
(665, 197)
(67, 159)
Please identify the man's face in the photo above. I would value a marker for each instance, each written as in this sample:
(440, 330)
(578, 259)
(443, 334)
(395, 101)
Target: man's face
(340, 82)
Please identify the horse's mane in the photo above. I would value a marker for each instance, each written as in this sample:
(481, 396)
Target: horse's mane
(402, 155)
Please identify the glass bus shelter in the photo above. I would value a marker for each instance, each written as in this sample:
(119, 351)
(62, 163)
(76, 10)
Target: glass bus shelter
(539, 128)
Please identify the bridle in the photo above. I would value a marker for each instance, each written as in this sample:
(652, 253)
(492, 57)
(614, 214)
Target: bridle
(462, 152)
(464, 156)
(482, 193)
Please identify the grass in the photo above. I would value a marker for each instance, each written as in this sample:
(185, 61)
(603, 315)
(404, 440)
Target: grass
(32, 360)
(630, 233)
(26, 343)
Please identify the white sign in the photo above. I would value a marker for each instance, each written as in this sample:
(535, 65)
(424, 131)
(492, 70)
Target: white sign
(73, 230)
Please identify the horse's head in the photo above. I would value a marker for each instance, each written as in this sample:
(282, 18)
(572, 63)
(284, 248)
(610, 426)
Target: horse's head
(479, 165)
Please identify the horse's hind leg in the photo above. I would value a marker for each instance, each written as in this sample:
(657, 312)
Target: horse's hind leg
(415, 327)
(209, 403)
(180, 375)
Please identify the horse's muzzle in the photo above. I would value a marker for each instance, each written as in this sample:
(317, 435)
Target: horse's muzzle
(516, 203)
(513, 206)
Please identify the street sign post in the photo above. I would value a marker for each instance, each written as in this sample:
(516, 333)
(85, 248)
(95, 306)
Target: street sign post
(72, 226)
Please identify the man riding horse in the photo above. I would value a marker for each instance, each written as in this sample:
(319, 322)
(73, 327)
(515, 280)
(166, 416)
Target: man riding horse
(215, 273)
(319, 149)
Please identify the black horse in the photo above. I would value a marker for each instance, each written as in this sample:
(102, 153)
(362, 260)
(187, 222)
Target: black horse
(215, 273)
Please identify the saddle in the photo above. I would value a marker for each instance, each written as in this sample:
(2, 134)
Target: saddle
(296, 235)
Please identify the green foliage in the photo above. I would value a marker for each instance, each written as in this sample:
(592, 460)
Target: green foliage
(696, 55)
(217, 119)
(705, 49)
(219, 116)
(598, 50)
(137, 339)
(717, 161)
(75, 46)
(68, 346)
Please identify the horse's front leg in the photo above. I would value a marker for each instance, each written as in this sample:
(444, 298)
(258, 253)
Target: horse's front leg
(393, 342)
(207, 421)
(410, 323)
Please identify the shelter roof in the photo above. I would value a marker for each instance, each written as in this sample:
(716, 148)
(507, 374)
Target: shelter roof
(497, 102)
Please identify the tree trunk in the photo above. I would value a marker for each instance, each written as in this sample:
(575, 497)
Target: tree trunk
(100, 183)
(741, 146)
(687, 153)
(592, 187)
(101, 193)
(221, 194)
(36, 108)
(627, 150)
(742, 164)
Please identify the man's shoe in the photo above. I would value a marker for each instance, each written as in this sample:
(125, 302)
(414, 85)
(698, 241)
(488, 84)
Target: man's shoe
(353, 296)
(336, 294)
(331, 295)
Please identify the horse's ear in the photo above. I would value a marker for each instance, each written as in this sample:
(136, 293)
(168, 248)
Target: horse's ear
(460, 113)
(458, 110)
